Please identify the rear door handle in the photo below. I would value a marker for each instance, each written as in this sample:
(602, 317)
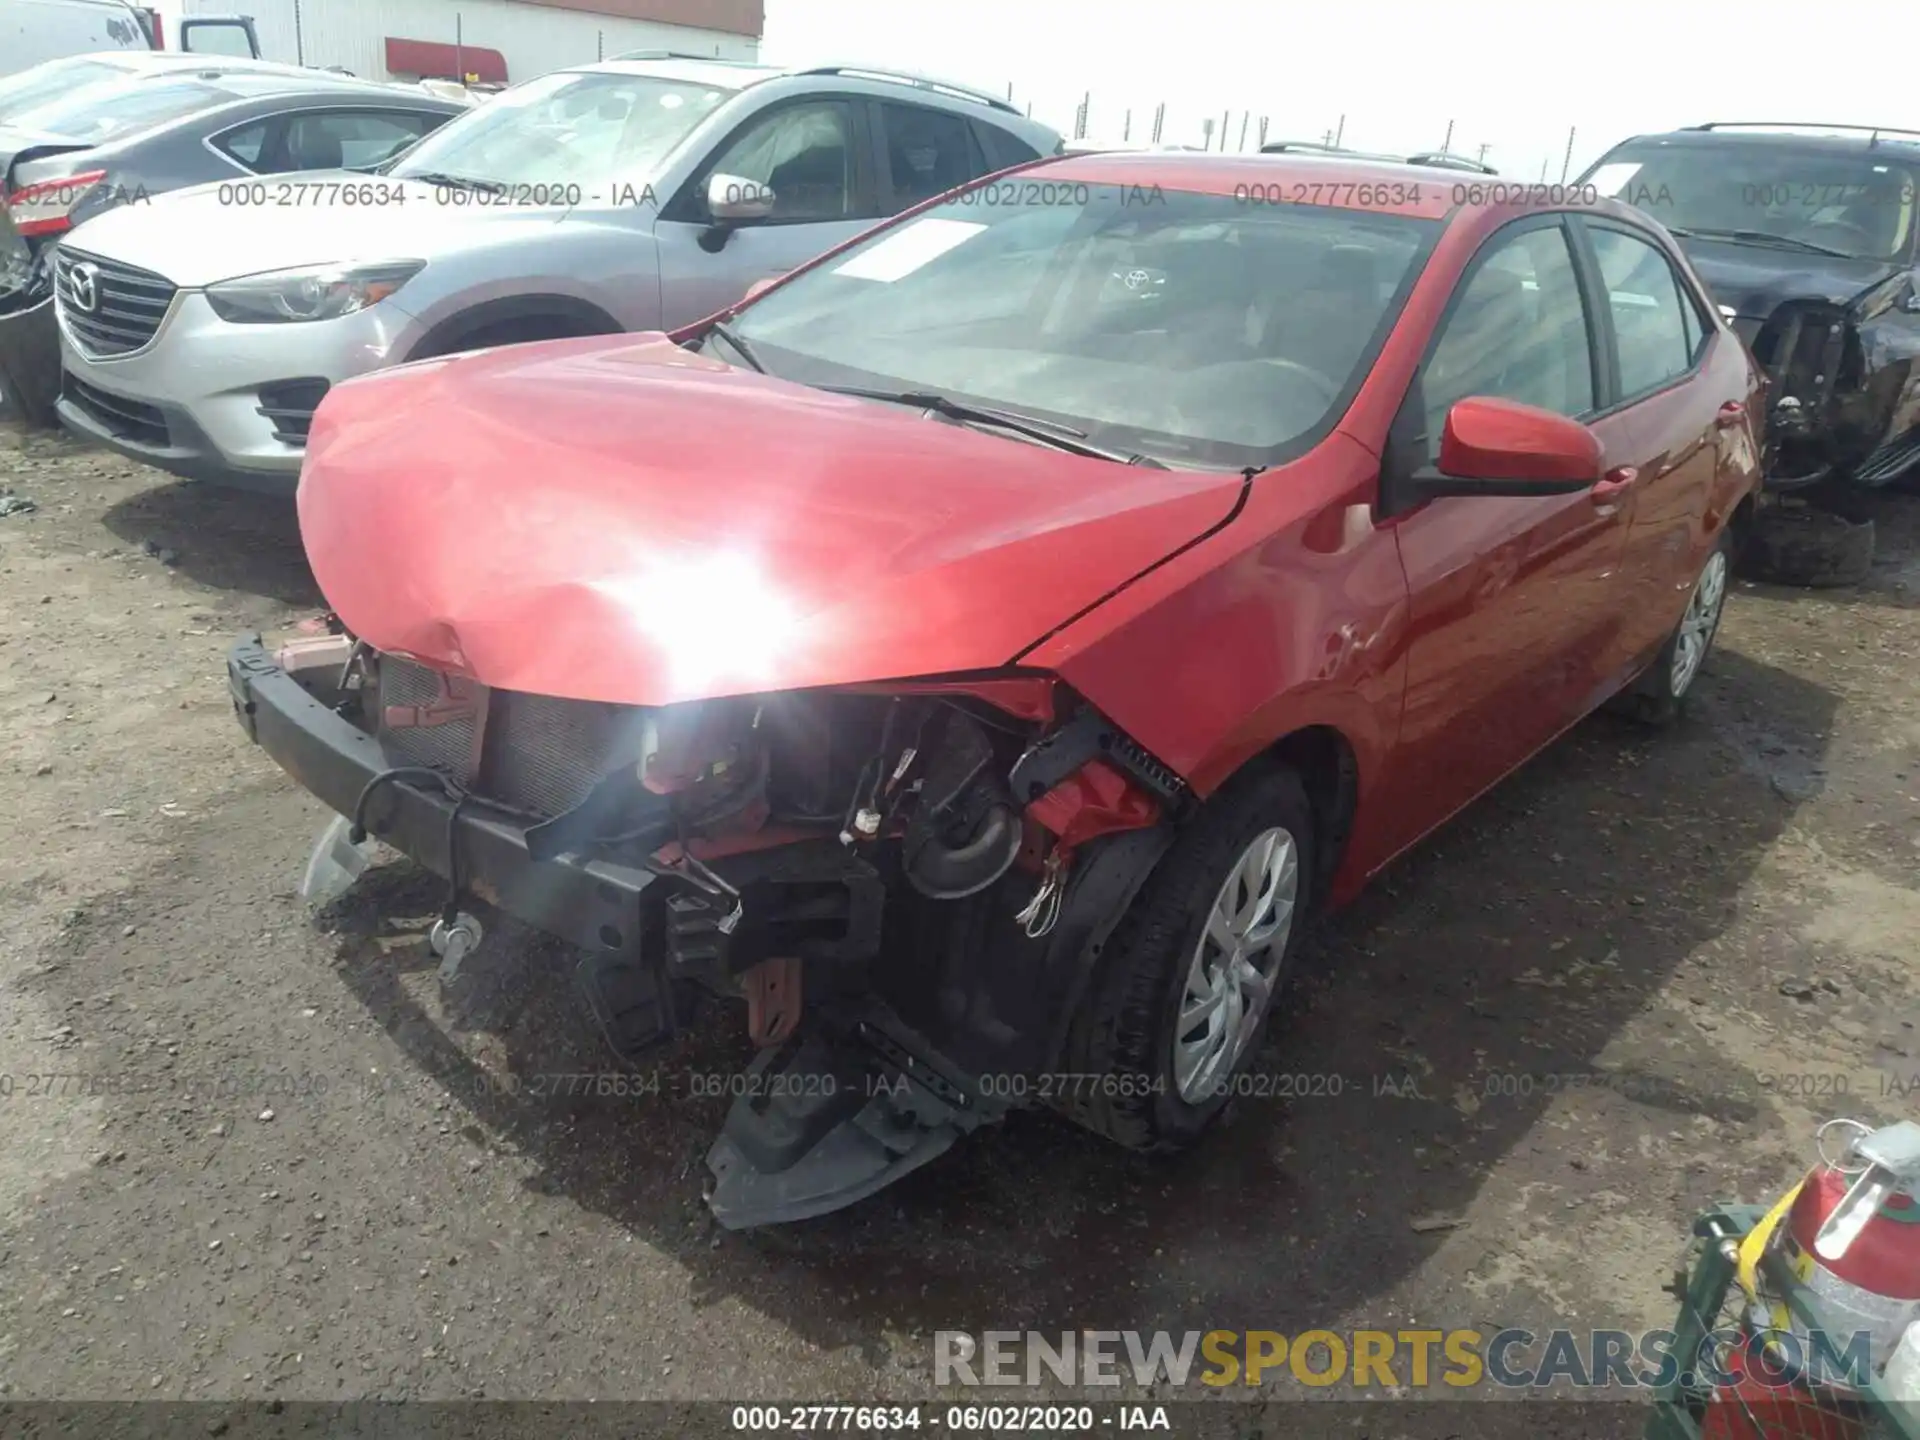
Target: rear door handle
(1614, 484)
(1729, 414)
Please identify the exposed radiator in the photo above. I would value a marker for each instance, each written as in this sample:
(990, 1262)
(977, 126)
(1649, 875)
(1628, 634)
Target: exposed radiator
(539, 754)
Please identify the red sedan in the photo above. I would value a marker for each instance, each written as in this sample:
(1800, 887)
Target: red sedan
(982, 650)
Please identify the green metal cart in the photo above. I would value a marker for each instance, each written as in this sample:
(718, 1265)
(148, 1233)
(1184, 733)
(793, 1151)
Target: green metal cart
(1714, 1303)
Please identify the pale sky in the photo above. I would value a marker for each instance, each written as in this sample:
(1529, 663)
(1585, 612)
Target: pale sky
(1513, 77)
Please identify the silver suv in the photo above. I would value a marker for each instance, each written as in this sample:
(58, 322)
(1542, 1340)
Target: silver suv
(200, 329)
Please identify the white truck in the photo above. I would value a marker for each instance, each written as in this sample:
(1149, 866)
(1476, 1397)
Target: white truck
(32, 31)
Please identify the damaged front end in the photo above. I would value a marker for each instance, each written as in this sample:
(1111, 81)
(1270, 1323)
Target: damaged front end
(1843, 390)
(904, 885)
(29, 338)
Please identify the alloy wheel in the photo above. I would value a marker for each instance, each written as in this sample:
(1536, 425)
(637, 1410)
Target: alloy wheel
(1235, 965)
(1699, 623)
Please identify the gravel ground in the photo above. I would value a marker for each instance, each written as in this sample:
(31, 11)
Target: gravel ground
(295, 1169)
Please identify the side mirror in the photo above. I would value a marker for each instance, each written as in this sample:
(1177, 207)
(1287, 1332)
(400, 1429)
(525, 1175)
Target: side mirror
(1501, 447)
(731, 200)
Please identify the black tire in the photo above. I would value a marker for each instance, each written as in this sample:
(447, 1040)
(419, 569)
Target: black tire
(1122, 1039)
(1659, 696)
(1808, 546)
(30, 398)
(1840, 496)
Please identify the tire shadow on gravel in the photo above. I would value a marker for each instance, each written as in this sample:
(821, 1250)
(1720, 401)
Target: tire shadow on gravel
(226, 539)
(1427, 1032)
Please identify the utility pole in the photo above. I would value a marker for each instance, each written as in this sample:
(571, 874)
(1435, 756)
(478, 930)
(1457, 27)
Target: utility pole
(1340, 133)
(1566, 161)
(1206, 133)
(1245, 116)
(1446, 145)
(1263, 131)
(1080, 116)
(1159, 119)
(1126, 127)
(1484, 147)
(1225, 115)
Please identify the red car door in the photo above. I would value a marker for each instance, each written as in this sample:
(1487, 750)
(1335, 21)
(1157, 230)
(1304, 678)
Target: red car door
(1684, 385)
(1515, 602)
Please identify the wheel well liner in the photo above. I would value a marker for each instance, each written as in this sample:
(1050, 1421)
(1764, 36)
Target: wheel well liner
(580, 317)
(1740, 524)
(1325, 762)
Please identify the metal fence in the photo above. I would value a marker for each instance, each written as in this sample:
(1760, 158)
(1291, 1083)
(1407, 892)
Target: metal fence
(1246, 131)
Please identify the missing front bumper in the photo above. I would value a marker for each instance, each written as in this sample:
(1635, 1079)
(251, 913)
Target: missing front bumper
(594, 904)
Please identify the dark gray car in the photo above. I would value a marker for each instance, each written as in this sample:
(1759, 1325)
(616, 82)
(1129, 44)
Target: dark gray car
(67, 160)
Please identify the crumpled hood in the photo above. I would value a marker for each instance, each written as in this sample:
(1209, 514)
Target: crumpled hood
(622, 520)
(1757, 279)
(195, 240)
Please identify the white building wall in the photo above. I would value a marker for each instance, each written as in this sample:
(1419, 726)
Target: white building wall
(533, 38)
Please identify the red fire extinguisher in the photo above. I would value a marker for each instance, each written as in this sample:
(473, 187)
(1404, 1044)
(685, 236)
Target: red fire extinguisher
(1850, 1241)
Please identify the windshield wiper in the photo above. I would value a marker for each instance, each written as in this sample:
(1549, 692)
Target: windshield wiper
(1761, 237)
(1048, 432)
(740, 347)
(457, 182)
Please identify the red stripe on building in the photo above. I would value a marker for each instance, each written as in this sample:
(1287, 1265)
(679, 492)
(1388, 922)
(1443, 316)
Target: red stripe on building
(431, 60)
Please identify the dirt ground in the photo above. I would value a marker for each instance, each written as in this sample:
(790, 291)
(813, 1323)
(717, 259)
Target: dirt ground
(306, 1175)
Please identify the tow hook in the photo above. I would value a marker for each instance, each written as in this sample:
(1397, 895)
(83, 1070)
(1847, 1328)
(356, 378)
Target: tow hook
(453, 943)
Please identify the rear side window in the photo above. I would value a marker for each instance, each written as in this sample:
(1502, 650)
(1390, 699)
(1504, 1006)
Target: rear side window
(325, 140)
(351, 138)
(247, 143)
(1519, 331)
(928, 152)
(1002, 150)
(1650, 323)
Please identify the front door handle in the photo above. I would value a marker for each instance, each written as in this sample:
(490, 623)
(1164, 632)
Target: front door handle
(1729, 415)
(1615, 483)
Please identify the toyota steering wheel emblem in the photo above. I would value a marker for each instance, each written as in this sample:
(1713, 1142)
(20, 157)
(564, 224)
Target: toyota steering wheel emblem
(1136, 278)
(83, 287)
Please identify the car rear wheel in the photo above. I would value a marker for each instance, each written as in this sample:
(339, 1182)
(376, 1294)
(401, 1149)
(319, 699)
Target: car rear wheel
(1660, 695)
(1176, 1011)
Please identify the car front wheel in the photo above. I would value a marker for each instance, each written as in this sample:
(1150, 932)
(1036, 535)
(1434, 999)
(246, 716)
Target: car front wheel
(1176, 1011)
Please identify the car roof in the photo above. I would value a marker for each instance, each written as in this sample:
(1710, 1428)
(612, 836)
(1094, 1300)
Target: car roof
(1812, 139)
(738, 75)
(689, 70)
(242, 92)
(247, 84)
(1414, 190)
(1383, 187)
(158, 62)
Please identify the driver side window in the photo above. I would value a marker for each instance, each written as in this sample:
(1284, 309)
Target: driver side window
(804, 154)
(1518, 331)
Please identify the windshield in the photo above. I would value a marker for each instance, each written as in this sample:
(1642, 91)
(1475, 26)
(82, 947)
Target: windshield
(1860, 205)
(567, 129)
(1191, 329)
(51, 81)
(99, 114)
